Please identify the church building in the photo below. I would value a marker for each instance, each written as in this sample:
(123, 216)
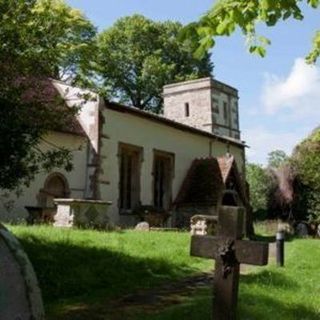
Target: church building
(189, 159)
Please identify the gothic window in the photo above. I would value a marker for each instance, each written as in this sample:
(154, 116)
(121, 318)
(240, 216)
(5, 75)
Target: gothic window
(163, 168)
(130, 163)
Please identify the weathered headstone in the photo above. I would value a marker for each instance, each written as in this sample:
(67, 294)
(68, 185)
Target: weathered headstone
(203, 225)
(229, 251)
(142, 226)
(302, 230)
(20, 296)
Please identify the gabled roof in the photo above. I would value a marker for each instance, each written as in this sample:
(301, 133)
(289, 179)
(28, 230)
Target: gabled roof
(203, 183)
(225, 164)
(207, 179)
(43, 91)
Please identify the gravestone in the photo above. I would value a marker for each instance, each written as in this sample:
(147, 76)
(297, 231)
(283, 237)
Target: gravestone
(142, 226)
(302, 230)
(229, 251)
(203, 225)
(20, 296)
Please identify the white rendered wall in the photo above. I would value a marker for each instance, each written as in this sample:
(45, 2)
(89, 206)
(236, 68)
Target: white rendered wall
(150, 135)
(76, 178)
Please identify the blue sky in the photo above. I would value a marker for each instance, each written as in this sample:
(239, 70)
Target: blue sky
(279, 94)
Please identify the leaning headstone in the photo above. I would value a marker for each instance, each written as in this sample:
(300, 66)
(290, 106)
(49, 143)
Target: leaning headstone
(302, 230)
(20, 296)
(142, 226)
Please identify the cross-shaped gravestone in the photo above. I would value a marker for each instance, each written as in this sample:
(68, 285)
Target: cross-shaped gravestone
(229, 251)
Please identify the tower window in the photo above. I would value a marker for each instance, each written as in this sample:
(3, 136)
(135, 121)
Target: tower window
(225, 111)
(187, 109)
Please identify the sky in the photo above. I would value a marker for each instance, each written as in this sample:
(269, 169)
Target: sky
(279, 94)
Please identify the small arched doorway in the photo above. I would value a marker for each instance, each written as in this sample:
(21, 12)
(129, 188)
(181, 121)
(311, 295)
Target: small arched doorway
(55, 186)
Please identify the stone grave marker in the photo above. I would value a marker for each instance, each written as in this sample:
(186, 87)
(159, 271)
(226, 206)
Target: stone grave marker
(20, 296)
(229, 251)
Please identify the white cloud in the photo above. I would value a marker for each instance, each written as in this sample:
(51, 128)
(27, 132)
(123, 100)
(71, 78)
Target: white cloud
(298, 94)
(262, 141)
(290, 110)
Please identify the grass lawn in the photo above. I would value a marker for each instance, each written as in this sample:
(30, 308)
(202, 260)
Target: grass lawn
(290, 293)
(76, 267)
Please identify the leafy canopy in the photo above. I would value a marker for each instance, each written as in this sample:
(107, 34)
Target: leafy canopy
(39, 39)
(260, 183)
(137, 56)
(277, 158)
(306, 158)
(228, 15)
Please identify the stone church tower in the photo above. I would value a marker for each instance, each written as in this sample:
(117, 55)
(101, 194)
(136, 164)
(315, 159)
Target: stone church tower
(206, 104)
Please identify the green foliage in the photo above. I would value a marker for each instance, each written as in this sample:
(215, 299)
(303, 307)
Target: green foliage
(306, 160)
(259, 182)
(138, 56)
(277, 158)
(63, 35)
(39, 39)
(226, 16)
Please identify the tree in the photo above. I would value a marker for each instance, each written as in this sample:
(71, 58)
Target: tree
(277, 158)
(39, 39)
(137, 56)
(259, 182)
(282, 192)
(227, 15)
(306, 160)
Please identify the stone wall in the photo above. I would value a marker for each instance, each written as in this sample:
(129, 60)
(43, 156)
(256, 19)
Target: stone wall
(197, 94)
(207, 100)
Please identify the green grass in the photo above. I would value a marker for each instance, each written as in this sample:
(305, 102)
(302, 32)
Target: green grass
(78, 265)
(289, 293)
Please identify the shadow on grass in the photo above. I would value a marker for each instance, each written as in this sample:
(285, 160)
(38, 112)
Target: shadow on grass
(252, 304)
(82, 273)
